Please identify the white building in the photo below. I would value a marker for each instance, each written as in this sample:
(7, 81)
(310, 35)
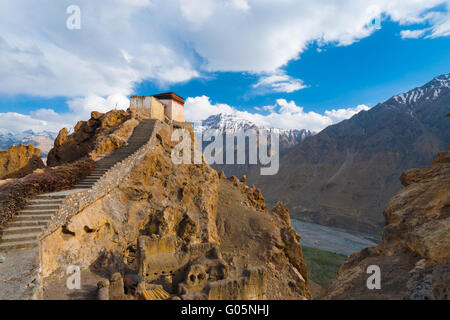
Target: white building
(160, 106)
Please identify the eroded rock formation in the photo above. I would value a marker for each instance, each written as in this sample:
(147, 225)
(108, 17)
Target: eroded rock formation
(100, 135)
(19, 161)
(414, 256)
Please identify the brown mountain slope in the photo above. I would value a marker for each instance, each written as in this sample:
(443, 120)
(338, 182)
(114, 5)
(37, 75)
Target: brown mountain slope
(345, 175)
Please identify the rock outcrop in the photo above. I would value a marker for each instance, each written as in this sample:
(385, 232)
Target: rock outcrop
(98, 136)
(18, 161)
(181, 228)
(414, 256)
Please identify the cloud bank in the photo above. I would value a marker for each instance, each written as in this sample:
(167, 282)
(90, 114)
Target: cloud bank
(283, 115)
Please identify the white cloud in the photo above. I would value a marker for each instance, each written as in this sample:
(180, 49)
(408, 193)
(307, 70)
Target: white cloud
(279, 82)
(440, 23)
(49, 120)
(412, 34)
(284, 114)
(342, 114)
(239, 4)
(16, 123)
(82, 107)
(200, 108)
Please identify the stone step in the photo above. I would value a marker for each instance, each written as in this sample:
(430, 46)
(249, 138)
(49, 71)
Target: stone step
(108, 163)
(50, 197)
(38, 202)
(115, 158)
(19, 245)
(85, 183)
(35, 212)
(20, 237)
(41, 207)
(33, 217)
(21, 230)
(118, 155)
(30, 223)
(89, 180)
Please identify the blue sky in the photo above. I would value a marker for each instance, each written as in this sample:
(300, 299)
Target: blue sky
(265, 61)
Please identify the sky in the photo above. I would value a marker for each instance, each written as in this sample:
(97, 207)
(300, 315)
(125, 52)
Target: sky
(294, 64)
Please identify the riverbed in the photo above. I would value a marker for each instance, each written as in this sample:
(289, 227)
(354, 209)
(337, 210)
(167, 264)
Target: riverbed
(333, 239)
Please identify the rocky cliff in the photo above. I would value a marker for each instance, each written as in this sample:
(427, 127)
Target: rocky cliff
(18, 161)
(180, 228)
(100, 135)
(414, 256)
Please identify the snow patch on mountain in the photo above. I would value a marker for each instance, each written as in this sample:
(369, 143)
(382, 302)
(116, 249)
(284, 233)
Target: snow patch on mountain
(228, 124)
(40, 139)
(430, 91)
(221, 124)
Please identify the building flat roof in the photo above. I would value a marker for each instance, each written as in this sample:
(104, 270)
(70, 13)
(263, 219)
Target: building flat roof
(169, 96)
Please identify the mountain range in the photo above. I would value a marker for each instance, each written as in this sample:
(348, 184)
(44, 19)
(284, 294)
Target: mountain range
(345, 175)
(223, 124)
(42, 139)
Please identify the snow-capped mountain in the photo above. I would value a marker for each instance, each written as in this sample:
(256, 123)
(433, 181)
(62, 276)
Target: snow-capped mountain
(42, 140)
(223, 123)
(427, 93)
(230, 124)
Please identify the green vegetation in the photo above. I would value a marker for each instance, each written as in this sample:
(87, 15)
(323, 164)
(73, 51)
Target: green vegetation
(322, 265)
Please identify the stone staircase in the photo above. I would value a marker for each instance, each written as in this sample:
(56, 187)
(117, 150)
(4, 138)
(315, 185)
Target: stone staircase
(25, 229)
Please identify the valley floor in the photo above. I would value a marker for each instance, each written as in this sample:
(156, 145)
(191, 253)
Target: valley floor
(333, 239)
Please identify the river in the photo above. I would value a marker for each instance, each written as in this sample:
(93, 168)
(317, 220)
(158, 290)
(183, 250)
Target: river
(333, 239)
